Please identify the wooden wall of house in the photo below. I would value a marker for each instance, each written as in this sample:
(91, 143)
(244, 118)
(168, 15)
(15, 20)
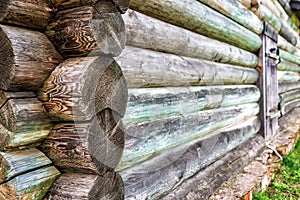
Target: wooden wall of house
(192, 71)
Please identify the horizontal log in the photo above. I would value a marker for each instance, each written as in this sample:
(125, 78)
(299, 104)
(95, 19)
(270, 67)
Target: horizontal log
(285, 87)
(182, 42)
(87, 31)
(289, 57)
(288, 76)
(288, 34)
(32, 185)
(148, 104)
(26, 58)
(121, 5)
(238, 13)
(6, 96)
(289, 106)
(199, 18)
(207, 181)
(91, 147)
(79, 88)
(288, 66)
(150, 139)
(28, 13)
(286, 6)
(289, 96)
(15, 163)
(165, 173)
(246, 3)
(285, 45)
(147, 68)
(87, 186)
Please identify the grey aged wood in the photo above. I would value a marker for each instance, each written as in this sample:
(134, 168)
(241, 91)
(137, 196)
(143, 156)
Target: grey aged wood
(87, 31)
(87, 186)
(87, 147)
(26, 58)
(289, 57)
(79, 88)
(288, 76)
(32, 185)
(199, 18)
(147, 68)
(15, 163)
(285, 45)
(289, 106)
(285, 87)
(288, 66)
(159, 176)
(147, 140)
(28, 13)
(289, 96)
(149, 33)
(148, 104)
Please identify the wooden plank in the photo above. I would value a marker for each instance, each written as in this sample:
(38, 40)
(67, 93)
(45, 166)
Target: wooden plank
(150, 139)
(79, 88)
(289, 57)
(207, 181)
(289, 106)
(180, 41)
(199, 18)
(148, 104)
(121, 5)
(288, 66)
(147, 68)
(287, 76)
(87, 31)
(32, 185)
(285, 87)
(87, 186)
(15, 163)
(28, 13)
(238, 13)
(289, 96)
(163, 174)
(90, 147)
(285, 45)
(26, 58)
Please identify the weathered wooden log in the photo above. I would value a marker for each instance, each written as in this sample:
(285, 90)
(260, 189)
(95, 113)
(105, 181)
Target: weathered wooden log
(121, 5)
(289, 57)
(289, 96)
(87, 31)
(29, 13)
(285, 87)
(266, 15)
(280, 12)
(205, 183)
(289, 106)
(32, 185)
(6, 96)
(19, 162)
(288, 34)
(79, 88)
(238, 13)
(199, 18)
(90, 147)
(287, 76)
(285, 45)
(148, 104)
(23, 122)
(149, 33)
(246, 3)
(149, 139)
(288, 66)
(286, 6)
(147, 68)
(26, 58)
(87, 186)
(165, 173)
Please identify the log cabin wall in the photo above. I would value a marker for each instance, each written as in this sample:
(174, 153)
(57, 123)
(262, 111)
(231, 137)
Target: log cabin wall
(192, 69)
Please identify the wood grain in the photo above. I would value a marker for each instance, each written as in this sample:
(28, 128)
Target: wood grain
(26, 58)
(147, 68)
(87, 31)
(288, 66)
(285, 45)
(87, 186)
(162, 175)
(289, 106)
(199, 18)
(147, 140)
(32, 185)
(289, 96)
(79, 88)
(149, 33)
(288, 76)
(148, 104)
(285, 87)
(18, 162)
(90, 147)
(289, 57)
(28, 13)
